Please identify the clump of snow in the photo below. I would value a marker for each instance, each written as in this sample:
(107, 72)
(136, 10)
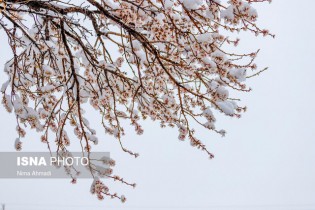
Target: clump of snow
(228, 107)
(239, 74)
(192, 5)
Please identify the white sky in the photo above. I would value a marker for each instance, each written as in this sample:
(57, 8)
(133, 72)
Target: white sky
(267, 160)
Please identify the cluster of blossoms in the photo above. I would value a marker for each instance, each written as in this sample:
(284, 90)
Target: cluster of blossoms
(165, 60)
(100, 190)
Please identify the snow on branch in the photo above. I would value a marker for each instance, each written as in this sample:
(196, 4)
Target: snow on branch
(167, 60)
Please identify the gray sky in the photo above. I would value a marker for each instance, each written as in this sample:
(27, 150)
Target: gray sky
(266, 161)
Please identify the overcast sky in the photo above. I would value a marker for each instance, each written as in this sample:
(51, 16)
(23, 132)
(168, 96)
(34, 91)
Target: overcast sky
(266, 161)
